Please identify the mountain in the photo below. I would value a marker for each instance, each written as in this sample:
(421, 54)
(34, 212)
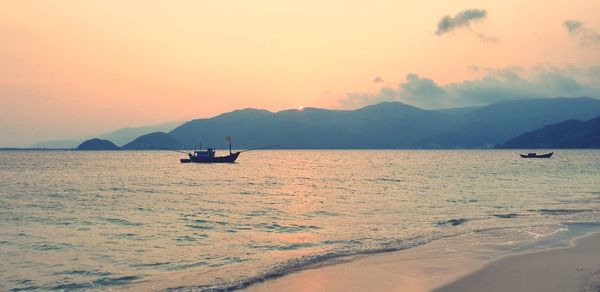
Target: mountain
(156, 140)
(385, 125)
(126, 135)
(567, 134)
(97, 144)
(494, 124)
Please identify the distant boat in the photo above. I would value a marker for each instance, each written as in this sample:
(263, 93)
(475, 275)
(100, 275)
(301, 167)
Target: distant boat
(535, 155)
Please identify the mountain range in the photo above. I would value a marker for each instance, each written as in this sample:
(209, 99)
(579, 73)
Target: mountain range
(387, 125)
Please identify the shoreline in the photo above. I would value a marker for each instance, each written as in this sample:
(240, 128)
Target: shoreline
(573, 268)
(449, 265)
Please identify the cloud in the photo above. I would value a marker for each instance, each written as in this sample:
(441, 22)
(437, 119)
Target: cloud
(577, 29)
(377, 79)
(353, 100)
(418, 89)
(495, 84)
(460, 20)
(572, 25)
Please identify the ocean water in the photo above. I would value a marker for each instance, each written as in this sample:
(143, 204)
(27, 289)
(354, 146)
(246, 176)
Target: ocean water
(83, 220)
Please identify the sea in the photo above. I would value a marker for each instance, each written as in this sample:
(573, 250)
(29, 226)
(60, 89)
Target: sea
(84, 220)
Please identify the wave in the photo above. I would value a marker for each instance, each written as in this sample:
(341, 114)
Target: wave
(313, 261)
(102, 282)
(563, 211)
(305, 262)
(506, 216)
(452, 222)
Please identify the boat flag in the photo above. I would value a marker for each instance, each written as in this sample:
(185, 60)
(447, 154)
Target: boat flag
(228, 138)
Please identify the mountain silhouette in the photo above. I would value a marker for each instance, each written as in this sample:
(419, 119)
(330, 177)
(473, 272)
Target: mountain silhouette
(387, 125)
(156, 140)
(97, 144)
(384, 125)
(567, 134)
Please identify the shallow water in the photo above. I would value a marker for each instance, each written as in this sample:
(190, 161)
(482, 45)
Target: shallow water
(79, 220)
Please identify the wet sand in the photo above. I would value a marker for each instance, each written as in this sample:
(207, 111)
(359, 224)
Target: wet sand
(448, 266)
(575, 268)
(417, 269)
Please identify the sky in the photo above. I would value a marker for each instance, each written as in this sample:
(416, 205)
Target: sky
(73, 69)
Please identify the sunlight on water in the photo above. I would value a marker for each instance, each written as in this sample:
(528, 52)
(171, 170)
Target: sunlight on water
(77, 220)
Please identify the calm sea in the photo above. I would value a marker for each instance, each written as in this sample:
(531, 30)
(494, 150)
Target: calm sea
(80, 220)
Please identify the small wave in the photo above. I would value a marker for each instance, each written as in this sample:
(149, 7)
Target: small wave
(463, 201)
(305, 262)
(563, 211)
(52, 246)
(506, 216)
(150, 265)
(257, 213)
(102, 282)
(84, 273)
(386, 179)
(25, 285)
(185, 238)
(284, 247)
(28, 288)
(119, 221)
(205, 224)
(208, 262)
(274, 227)
(320, 213)
(452, 222)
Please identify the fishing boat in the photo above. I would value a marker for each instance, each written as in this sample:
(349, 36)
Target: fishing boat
(535, 155)
(208, 155)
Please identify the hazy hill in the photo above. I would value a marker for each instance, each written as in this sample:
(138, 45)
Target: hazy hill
(384, 125)
(97, 144)
(156, 140)
(126, 135)
(494, 124)
(119, 137)
(58, 144)
(567, 134)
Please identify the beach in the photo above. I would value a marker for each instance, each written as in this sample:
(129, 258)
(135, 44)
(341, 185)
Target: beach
(472, 267)
(576, 268)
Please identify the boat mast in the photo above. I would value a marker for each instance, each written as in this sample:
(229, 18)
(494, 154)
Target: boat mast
(229, 139)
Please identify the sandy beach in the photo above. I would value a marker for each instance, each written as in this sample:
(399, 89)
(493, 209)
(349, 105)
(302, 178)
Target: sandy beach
(441, 266)
(576, 268)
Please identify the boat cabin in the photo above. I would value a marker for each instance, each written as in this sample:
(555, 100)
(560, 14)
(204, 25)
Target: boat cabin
(208, 153)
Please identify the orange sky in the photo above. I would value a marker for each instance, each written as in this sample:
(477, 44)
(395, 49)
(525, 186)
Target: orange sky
(77, 68)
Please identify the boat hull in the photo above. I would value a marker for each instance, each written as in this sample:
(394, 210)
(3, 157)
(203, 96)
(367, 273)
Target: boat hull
(221, 159)
(548, 155)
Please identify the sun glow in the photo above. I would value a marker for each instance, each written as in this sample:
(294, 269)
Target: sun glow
(300, 108)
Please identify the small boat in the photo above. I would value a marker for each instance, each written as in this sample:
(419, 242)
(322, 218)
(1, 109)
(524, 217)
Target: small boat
(208, 156)
(535, 155)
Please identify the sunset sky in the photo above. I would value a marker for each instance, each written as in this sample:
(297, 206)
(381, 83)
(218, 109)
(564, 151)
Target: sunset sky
(72, 69)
